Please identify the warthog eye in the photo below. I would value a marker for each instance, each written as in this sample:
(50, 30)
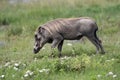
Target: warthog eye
(35, 36)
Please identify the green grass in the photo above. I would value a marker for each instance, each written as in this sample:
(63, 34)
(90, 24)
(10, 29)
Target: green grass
(19, 21)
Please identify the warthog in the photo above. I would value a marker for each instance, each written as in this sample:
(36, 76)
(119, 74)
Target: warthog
(58, 30)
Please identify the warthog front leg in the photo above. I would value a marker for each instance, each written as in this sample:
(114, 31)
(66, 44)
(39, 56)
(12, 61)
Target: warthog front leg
(58, 41)
(54, 44)
(60, 47)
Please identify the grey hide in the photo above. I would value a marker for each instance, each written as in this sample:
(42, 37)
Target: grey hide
(58, 30)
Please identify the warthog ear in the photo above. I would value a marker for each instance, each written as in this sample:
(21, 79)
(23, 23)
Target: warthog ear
(41, 30)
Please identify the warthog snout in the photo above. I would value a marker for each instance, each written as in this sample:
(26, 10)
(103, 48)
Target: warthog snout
(36, 50)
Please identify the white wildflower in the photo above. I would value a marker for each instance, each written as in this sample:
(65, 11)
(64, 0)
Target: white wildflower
(2, 76)
(16, 64)
(62, 58)
(26, 75)
(24, 65)
(114, 76)
(69, 44)
(7, 64)
(40, 71)
(44, 70)
(35, 59)
(15, 68)
(107, 60)
(112, 59)
(13, 75)
(28, 71)
(65, 57)
(99, 76)
(110, 73)
(31, 73)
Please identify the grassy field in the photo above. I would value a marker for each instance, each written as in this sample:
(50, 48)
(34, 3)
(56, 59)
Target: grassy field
(18, 22)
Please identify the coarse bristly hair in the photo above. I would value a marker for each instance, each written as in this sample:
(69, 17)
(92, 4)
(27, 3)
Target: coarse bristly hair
(57, 25)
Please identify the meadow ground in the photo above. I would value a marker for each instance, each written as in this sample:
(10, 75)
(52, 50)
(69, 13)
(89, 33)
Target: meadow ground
(19, 20)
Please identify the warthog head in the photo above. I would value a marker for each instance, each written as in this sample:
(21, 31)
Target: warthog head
(39, 40)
